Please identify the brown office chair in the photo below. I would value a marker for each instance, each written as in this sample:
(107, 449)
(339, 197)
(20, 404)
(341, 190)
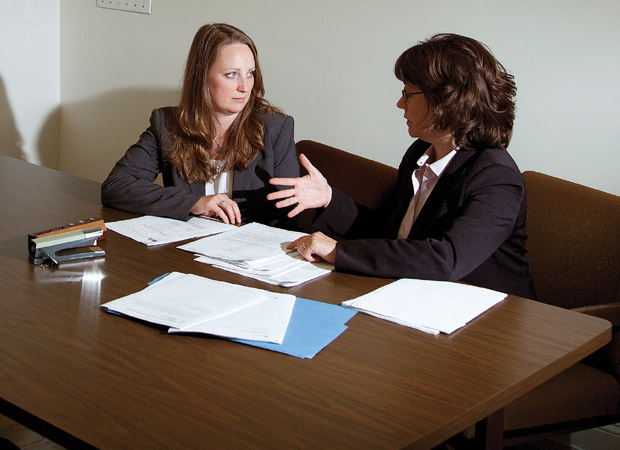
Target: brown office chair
(364, 180)
(574, 252)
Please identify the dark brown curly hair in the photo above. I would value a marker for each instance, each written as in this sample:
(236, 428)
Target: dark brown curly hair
(469, 91)
(193, 129)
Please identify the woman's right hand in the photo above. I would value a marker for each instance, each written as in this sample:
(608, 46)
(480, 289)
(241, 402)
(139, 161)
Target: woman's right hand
(218, 205)
(309, 191)
(315, 247)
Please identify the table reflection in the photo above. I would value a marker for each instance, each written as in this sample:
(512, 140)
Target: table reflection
(88, 273)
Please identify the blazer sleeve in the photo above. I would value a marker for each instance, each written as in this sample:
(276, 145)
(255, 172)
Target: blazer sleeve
(471, 224)
(131, 186)
(344, 217)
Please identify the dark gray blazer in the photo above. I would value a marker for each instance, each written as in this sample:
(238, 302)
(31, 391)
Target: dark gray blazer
(471, 228)
(130, 187)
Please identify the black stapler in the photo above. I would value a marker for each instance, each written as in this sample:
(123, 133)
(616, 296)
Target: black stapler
(66, 246)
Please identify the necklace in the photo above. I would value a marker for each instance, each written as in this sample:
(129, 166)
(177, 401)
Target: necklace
(218, 148)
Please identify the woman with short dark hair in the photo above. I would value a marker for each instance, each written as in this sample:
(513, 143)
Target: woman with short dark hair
(457, 212)
(217, 149)
(468, 90)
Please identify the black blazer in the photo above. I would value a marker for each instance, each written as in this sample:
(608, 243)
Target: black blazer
(130, 187)
(471, 228)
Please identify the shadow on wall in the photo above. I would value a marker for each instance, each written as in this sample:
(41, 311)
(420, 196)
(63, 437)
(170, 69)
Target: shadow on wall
(48, 142)
(96, 132)
(10, 140)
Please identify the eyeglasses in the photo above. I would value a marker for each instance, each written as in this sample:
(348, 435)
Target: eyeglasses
(406, 94)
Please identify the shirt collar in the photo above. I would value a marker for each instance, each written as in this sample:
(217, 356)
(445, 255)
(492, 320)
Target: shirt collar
(437, 166)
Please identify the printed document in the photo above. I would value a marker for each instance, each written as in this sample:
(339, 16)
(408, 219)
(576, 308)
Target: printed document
(250, 245)
(258, 251)
(287, 271)
(151, 230)
(190, 303)
(430, 306)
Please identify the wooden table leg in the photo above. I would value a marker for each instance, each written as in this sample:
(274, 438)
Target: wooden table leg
(490, 431)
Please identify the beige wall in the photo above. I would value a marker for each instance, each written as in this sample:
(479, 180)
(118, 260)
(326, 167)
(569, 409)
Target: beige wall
(330, 65)
(29, 80)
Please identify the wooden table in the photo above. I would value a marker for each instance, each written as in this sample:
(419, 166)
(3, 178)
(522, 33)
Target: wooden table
(80, 375)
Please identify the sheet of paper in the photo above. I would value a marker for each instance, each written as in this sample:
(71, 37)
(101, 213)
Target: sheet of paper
(181, 300)
(250, 244)
(258, 251)
(280, 273)
(431, 306)
(273, 266)
(265, 321)
(313, 326)
(151, 230)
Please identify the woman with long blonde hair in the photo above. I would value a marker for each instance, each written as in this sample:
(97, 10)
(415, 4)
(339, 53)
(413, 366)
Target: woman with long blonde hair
(217, 149)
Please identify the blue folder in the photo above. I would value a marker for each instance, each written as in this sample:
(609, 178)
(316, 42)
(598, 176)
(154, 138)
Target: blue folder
(312, 327)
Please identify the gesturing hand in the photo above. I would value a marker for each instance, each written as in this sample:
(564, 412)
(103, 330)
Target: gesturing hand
(309, 191)
(218, 205)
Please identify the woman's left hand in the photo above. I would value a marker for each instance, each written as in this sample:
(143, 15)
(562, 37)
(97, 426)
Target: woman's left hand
(315, 247)
(218, 205)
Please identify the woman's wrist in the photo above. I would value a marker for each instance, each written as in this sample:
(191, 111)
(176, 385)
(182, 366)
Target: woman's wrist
(329, 197)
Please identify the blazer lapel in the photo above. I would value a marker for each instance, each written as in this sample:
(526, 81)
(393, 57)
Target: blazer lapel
(403, 191)
(197, 188)
(448, 181)
(241, 180)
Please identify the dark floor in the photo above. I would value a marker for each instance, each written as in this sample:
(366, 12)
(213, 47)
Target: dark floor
(604, 438)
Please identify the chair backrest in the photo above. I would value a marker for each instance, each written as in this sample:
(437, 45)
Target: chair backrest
(573, 242)
(364, 180)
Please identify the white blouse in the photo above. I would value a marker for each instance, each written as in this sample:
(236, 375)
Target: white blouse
(222, 184)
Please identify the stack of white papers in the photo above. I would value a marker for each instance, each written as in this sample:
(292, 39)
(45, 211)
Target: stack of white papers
(258, 251)
(430, 306)
(151, 230)
(191, 304)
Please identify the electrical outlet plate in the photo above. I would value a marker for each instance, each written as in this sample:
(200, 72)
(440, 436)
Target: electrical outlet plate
(139, 6)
